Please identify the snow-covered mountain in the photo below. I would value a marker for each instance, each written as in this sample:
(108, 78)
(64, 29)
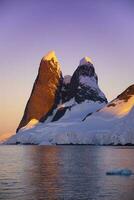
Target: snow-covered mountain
(54, 97)
(80, 94)
(82, 115)
(84, 83)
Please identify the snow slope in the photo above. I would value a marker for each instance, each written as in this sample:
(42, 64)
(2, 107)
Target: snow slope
(113, 124)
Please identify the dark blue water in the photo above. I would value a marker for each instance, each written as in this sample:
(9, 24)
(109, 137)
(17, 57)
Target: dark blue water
(65, 172)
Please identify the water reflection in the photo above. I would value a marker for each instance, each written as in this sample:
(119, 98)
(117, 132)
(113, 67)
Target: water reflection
(43, 173)
(64, 172)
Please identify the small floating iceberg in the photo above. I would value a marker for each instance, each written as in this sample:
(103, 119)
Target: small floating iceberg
(120, 172)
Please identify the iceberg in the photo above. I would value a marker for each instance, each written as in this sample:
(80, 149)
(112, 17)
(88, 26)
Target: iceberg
(120, 172)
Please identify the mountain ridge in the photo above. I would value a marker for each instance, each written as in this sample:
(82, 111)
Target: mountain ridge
(82, 85)
(81, 114)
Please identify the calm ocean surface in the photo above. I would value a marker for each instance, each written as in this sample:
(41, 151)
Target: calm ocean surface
(65, 172)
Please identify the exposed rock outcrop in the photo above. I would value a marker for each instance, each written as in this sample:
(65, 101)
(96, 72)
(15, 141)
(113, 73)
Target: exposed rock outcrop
(127, 93)
(84, 83)
(46, 90)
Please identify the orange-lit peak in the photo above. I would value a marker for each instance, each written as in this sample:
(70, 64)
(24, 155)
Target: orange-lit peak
(50, 55)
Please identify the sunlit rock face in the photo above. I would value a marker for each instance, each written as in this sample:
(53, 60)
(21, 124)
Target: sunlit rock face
(84, 83)
(45, 93)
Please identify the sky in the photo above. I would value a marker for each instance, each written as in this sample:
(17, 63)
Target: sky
(100, 29)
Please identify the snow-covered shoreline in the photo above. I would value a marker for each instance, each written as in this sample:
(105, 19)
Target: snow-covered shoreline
(100, 128)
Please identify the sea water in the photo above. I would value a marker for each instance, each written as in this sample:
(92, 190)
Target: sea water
(65, 172)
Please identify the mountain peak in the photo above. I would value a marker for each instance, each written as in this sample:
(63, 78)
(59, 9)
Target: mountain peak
(45, 93)
(86, 60)
(84, 83)
(50, 56)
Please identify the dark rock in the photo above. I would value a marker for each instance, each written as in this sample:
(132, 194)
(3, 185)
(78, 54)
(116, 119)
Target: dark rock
(127, 93)
(87, 90)
(65, 91)
(60, 113)
(111, 105)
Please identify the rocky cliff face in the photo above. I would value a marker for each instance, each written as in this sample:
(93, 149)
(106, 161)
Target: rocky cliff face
(84, 83)
(46, 91)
